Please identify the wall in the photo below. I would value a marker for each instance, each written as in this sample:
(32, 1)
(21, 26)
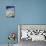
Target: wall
(27, 12)
(31, 11)
(33, 27)
(7, 25)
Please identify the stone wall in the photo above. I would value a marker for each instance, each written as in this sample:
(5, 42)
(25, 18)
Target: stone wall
(33, 27)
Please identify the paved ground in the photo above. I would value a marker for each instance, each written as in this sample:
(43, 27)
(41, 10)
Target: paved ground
(30, 43)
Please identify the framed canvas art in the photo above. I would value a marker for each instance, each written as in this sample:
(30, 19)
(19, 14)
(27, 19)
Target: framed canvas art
(10, 11)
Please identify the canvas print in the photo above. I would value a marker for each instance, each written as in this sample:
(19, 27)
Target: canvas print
(12, 37)
(31, 33)
(10, 11)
